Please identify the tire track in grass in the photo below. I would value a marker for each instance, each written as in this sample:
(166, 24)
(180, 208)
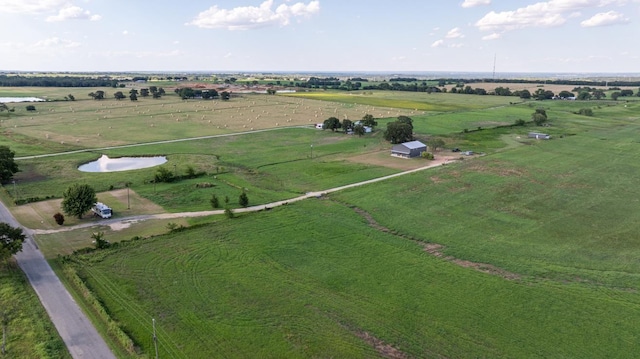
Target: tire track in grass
(135, 311)
(435, 250)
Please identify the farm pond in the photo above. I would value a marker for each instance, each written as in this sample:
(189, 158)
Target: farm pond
(106, 164)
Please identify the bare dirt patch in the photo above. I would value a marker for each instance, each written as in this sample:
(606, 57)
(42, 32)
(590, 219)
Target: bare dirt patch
(39, 215)
(383, 158)
(385, 350)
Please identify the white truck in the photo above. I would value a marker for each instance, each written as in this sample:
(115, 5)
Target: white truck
(102, 210)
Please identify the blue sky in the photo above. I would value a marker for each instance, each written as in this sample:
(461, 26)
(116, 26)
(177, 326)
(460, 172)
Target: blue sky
(320, 35)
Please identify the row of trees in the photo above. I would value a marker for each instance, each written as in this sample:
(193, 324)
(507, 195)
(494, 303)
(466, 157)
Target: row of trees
(207, 94)
(358, 128)
(155, 92)
(56, 81)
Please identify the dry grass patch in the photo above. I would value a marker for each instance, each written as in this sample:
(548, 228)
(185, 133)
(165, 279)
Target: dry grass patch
(39, 215)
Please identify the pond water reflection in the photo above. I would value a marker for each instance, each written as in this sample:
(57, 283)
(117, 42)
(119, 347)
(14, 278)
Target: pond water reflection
(106, 164)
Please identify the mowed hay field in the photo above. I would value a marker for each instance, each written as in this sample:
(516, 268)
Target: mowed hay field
(86, 123)
(528, 251)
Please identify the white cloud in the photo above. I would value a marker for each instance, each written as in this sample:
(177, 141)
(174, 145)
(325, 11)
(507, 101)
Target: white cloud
(605, 19)
(454, 33)
(125, 32)
(474, 3)
(493, 36)
(64, 9)
(542, 14)
(438, 43)
(31, 6)
(73, 13)
(55, 42)
(251, 17)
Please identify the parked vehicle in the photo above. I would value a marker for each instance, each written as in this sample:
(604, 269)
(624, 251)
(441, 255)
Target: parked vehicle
(102, 210)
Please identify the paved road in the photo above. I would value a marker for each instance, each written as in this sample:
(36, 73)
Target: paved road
(77, 332)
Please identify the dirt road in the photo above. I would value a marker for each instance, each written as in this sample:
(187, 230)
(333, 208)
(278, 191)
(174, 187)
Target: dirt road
(77, 332)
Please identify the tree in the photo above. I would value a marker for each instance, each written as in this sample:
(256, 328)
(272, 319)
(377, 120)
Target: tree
(153, 89)
(225, 95)
(144, 92)
(539, 117)
(615, 95)
(566, 94)
(8, 166)
(3, 107)
(407, 120)
(332, 123)
(347, 125)
(98, 95)
(31, 108)
(228, 212)
(542, 94)
(368, 120)
(584, 95)
(398, 132)
(435, 144)
(119, 95)
(71, 97)
(243, 200)
(78, 199)
(215, 202)
(11, 240)
(524, 94)
(598, 94)
(133, 97)
(359, 130)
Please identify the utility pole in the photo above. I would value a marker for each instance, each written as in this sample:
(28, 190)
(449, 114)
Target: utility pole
(312, 151)
(155, 338)
(494, 67)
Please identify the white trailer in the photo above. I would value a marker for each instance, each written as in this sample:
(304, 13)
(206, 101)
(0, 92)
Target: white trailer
(102, 210)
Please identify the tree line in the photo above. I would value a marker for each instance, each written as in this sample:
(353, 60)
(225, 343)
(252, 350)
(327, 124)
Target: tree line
(56, 81)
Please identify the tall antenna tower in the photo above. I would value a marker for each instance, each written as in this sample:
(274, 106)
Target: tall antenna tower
(494, 67)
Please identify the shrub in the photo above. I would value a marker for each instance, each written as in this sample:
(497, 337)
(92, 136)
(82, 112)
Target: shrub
(215, 202)
(228, 212)
(243, 200)
(585, 112)
(191, 173)
(99, 240)
(520, 122)
(427, 155)
(164, 175)
(59, 218)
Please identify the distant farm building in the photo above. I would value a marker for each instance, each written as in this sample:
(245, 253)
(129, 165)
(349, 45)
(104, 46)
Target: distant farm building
(539, 136)
(408, 149)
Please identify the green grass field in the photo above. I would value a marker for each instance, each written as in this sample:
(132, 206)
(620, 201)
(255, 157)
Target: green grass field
(528, 251)
(29, 333)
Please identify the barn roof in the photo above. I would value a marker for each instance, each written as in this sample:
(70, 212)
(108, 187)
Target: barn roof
(414, 144)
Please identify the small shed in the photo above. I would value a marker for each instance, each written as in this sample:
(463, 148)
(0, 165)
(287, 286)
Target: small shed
(408, 149)
(539, 136)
